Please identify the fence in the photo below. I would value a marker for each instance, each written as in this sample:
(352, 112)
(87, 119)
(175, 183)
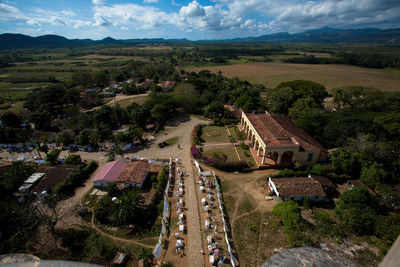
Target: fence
(219, 196)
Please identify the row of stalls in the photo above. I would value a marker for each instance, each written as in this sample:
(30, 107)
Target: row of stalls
(207, 189)
(180, 210)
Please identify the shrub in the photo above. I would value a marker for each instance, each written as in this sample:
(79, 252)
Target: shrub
(293, 224)
(229, 166)
(103, 210)
(52, 157)
(195, 152)
(75, 179)
(73, 159)
(388, 227)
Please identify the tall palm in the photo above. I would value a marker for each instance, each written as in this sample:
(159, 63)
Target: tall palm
(128, 207)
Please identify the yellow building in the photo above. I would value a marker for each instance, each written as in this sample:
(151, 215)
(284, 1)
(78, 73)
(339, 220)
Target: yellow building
(276, 141)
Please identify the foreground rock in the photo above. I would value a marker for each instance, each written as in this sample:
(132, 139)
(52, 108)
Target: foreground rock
(307, 256)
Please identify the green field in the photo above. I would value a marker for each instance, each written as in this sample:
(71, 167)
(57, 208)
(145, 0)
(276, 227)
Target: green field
(331, 76)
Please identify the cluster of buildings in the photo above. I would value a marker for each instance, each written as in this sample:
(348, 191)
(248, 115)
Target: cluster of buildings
(110, 90)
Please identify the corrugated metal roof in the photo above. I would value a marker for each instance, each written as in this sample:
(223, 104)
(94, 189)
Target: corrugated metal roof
(111, 171)
(34, 178)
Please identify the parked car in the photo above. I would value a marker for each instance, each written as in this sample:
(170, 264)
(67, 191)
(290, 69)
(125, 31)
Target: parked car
(163, 144)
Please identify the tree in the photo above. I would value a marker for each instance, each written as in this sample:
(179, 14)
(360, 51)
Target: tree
(73, 159)
(279, 100)
(303, 107)
(187, 97)
(357, 208)
(246, 102)
(372, 175)
(343, 162)
(304, 89)
(128, 207)
(159, 113)
(146, 255)
(139, 114)
(42, 120)
(52, 157)
(10, 119)
(214, 110)
(41, 147)
(100, 79)
(338, 98)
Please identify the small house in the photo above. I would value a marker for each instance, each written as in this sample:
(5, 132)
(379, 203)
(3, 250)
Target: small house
(297, 188)
(109, 173)
(134, 174)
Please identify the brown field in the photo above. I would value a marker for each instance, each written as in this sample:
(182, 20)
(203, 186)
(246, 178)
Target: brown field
(331, 76)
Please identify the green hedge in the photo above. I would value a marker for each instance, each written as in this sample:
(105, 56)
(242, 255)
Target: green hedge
(75, 179)
(161, 184)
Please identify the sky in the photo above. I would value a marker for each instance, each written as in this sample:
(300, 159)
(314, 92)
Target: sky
(193, 19)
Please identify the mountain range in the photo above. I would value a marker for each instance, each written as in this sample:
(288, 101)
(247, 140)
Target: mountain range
(322, 35)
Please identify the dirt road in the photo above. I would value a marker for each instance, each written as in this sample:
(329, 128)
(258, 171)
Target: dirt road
(182, 130)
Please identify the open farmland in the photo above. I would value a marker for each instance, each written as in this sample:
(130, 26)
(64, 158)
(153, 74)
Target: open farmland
(331, 76)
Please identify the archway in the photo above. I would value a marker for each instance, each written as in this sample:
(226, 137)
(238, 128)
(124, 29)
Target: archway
(275, 156)
(287, 158)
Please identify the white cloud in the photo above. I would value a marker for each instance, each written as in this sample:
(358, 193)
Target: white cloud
(192, 10)
(68, 13)
(11, 13)
(79, 24)
(99, 2)
(150, 1)
(57, 21)
(101, 21)
(143, 17)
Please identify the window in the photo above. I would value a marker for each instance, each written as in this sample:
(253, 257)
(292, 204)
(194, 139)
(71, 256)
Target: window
(310, 156)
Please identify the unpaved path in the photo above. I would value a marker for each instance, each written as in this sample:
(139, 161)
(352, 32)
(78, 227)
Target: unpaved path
(67, 208)
(130, 241)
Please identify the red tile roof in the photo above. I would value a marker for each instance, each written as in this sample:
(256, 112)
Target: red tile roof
(279, 130)
(111, 171)
(298, 187)
(325, 182)
(134, 172)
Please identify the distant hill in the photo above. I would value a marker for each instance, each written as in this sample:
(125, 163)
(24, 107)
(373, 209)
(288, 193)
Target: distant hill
(322, 35)
(329, 35)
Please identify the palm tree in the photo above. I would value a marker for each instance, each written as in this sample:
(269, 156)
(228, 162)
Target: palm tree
(146, 256)
(128, 207)
(338, 97)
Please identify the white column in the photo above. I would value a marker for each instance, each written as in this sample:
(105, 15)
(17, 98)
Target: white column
(263, 156)
(258, 152)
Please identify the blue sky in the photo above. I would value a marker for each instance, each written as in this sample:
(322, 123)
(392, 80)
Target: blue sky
(195, 19)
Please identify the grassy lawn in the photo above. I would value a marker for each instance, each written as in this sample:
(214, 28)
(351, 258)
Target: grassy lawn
(124, 103)
(246, 155)
(246, 233)
(215, 134)
(233, 130)
(172, 141)
(17, 107)
(225, 151)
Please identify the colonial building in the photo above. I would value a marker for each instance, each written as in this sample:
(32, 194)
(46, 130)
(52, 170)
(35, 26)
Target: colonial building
(277, 142)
